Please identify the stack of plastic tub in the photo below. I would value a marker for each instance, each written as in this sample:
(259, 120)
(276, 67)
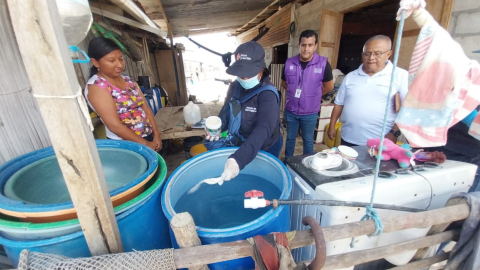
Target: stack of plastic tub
(52, 228)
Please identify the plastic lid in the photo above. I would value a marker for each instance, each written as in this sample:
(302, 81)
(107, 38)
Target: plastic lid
(213, 122)
(347, 151)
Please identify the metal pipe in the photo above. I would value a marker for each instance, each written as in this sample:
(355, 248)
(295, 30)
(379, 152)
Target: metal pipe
(131, 8)
(320, 245)
(343, 203)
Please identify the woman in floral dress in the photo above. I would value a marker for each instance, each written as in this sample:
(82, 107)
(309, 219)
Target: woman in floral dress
(117, 99)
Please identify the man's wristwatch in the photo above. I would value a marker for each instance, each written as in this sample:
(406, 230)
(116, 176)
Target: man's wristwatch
(396, 133)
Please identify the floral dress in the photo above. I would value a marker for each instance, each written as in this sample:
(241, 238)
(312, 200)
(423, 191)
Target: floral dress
(128, 103)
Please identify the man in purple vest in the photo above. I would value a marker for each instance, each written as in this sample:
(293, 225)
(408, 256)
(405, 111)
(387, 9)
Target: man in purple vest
(307, 77)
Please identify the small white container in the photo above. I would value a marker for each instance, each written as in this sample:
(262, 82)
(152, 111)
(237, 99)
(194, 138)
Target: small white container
(213, 126)
(191, 113)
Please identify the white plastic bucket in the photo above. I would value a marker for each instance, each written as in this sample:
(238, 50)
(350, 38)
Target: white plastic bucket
(213, 126)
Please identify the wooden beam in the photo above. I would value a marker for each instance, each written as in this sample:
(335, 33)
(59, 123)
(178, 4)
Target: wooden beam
(362, 256)
(327, 44)
(252, 21)
(118, 18)
(351, 5)
(162, 10)
(106, 7)
(263, 16)
(169, 28)
(446, 13)
(411, 33)
(269, 21)
(423, 263)
(156, 16)
(228, 251)
(39, 34)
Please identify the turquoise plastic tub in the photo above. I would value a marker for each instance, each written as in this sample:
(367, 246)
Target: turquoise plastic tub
(18, 200)
(141, 223)
(211, 164)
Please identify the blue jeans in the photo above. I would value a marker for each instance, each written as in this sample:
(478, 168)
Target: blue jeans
(307, 125)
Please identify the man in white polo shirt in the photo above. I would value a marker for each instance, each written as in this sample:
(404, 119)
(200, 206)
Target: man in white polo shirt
(362, 97)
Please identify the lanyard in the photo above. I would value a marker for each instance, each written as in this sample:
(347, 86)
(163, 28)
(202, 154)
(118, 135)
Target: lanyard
(300, 83)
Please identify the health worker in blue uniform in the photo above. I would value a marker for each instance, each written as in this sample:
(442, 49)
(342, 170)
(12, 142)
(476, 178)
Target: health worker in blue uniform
(258, 101)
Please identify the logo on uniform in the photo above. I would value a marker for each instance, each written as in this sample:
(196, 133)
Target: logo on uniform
(251, 109)
(318, 70)
(243, 57)
(291, 67)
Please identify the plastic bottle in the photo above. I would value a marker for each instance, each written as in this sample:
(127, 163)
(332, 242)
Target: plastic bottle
(191, 113)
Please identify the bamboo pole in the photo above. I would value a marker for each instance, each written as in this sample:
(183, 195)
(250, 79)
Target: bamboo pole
(207, 254)
(39, 33)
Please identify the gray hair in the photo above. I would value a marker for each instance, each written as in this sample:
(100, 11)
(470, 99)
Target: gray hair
(379, 37)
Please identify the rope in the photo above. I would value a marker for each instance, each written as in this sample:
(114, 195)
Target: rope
(372, 214)
(81, 103)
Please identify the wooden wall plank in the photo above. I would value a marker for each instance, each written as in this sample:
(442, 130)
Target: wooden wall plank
(166, 74)
(41, 41)
(279, 32)
(128, 21)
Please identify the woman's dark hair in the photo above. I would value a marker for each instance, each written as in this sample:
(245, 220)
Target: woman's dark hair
(98, 48)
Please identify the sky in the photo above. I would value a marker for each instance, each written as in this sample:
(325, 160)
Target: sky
(219, 42)
(207, 90)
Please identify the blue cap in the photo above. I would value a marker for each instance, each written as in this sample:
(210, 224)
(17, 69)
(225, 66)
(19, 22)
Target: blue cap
(250, 60)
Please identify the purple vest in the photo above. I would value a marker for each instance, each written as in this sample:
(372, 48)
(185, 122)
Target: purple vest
(310, 80)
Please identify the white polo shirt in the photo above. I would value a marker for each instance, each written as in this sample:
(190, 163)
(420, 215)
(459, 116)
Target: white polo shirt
(364, 99)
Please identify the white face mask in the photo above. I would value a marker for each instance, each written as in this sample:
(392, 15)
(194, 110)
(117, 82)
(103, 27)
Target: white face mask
(249, 83)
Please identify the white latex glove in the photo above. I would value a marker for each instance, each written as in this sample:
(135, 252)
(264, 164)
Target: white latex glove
(410, 6)
(212, 138)
(231, 170)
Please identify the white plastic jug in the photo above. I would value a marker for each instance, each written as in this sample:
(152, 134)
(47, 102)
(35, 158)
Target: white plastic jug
(191, 113)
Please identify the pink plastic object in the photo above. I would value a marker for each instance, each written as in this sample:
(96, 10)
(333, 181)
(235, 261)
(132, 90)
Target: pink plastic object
(392, 150)
(253, 194)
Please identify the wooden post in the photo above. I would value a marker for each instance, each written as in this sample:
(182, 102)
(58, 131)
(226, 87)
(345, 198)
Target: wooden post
(186, 236)
(42, 44)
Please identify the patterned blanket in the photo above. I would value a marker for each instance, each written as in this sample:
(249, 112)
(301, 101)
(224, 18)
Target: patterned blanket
(444, 87)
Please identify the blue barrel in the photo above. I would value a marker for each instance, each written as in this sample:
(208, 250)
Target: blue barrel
(269, 170)
(141, 223)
